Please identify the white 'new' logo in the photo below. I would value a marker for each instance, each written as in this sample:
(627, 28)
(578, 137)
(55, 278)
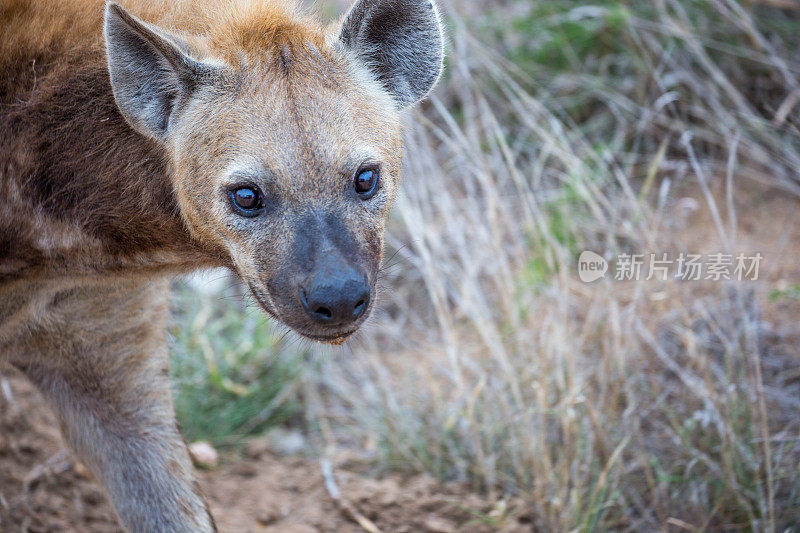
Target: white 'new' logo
(591, 267)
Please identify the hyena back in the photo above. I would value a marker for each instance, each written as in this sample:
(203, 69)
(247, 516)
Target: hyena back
(145, 142)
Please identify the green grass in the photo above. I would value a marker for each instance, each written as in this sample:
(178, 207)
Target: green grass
(558, 42)
(792, 293)
(233, 375)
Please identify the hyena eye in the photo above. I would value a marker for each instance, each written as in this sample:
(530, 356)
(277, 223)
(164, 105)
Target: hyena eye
(246, 201)
(366, 182)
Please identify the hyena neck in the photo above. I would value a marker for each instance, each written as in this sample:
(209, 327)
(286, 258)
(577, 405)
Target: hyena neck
(80, 191)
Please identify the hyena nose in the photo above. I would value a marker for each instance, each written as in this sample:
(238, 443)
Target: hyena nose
(336, 300)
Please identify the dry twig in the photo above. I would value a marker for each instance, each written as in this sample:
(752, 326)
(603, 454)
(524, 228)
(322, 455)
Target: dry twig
(345, 506)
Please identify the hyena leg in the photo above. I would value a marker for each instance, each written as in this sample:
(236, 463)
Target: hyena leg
(109, 387)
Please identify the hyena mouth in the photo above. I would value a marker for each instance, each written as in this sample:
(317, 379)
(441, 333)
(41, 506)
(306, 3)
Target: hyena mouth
(334, 340)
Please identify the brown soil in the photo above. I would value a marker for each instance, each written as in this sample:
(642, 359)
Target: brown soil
(43, 490)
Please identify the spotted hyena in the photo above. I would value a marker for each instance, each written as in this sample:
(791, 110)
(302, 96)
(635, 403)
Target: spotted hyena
(144, 141)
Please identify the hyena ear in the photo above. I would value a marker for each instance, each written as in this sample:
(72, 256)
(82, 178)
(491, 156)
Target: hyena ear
(402, 42)
(151, 74)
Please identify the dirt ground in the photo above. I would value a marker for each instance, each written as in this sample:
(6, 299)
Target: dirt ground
(43, 490)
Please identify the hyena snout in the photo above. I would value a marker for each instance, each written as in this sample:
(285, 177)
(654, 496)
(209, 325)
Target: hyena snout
(337, 294)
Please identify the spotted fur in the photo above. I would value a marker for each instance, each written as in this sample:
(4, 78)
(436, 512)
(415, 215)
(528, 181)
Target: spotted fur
(121, 131)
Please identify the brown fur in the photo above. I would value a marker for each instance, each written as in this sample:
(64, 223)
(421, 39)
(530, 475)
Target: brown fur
(70, 156)
(96, 213)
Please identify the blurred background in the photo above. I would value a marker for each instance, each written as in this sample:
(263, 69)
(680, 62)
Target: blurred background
(617, 126)
(661, 126)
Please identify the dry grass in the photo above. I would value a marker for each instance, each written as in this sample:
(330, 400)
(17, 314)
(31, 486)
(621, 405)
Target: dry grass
(624, 406)
(633, 406)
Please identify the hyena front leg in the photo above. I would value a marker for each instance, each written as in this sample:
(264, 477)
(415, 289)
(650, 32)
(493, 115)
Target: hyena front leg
(109, 387)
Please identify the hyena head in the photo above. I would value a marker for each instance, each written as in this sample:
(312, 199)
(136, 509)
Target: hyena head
(284, 140)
